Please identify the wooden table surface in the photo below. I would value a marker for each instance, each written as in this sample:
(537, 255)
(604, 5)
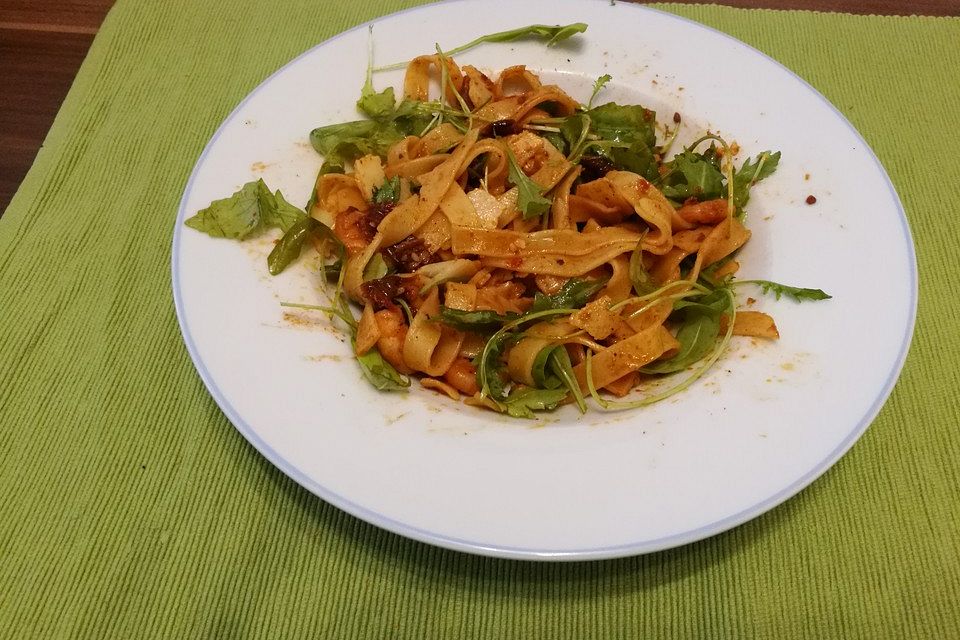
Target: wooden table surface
(43, 42)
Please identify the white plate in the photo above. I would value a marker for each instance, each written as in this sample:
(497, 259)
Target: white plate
(761, 426)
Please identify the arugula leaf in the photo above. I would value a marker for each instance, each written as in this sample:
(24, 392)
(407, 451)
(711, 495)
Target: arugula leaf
(332, 271)
(490, 365)
(642, 280)
(476, 321)
(288, 248)
(347, 141)
(698, 333)
(377, 268)
(380, 373)
(696, 336)
(235, 217)
(522, 402)
(377, 105)
(530, 198)
(561, 367)
(750, 173)
(799, 294)
(251, 209)
(627, 123)
(313, 195)
(597, 86)
(575, 130)
(277, 212)
(412, 117)
(693, 175)
(389, 191)
(541, 378)
(638, 158)
(330, 167)
(552, 34)
(574, 294)
(572, 128)
(557, 140)
(714, 303)
(627, 137)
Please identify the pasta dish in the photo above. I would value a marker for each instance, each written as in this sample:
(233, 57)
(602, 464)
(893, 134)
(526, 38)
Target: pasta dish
(510, 246)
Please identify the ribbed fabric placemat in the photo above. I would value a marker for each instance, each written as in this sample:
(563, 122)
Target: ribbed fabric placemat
(131, 508)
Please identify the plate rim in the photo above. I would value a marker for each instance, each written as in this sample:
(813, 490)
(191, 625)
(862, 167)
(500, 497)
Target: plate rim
(527, 553)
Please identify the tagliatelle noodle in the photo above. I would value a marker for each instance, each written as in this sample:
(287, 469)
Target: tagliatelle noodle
(416, 82)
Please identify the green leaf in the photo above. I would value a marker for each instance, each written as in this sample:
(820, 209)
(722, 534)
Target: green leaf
(799, 294)
(530, 200)
(377, 105)
(552, 34)
(626, 123)
(523, 401)
(562, 368)
(329, 167)
(389, 191)
(750, 173)
(288, 248)
(638, 158)
(696, 336)
(412, 117)
(326, 139)
(380, 373)
(490, 365)
(714, 303)
(345, 142)
(476, 321)
(575, 130)
(313, 195)
(643, 282)
(597, 86)
(627, 135)
(558, 141)
(249, 210)
(539, 370)
(572, 128)
(377, 268)
(235, 217)
(277, 212)
(574, 294)
(698, 333)
(693, 175)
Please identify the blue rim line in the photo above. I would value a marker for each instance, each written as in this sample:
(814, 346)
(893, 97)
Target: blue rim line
(523, 553)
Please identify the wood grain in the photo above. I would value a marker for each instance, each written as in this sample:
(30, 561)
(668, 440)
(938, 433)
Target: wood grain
(43, 42)
(85, 15)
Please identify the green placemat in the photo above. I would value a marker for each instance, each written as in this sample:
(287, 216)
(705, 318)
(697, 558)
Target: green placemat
(131, 508)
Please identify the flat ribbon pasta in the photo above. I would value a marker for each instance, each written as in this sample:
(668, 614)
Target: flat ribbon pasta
(416, 82)
(626, 356)
(431, 346)
(650, 205)
(557, 252)
(434, 186)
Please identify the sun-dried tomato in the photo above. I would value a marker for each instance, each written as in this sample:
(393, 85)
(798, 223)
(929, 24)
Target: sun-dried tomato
(383, 291)
(595, 167)
(410, 254)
